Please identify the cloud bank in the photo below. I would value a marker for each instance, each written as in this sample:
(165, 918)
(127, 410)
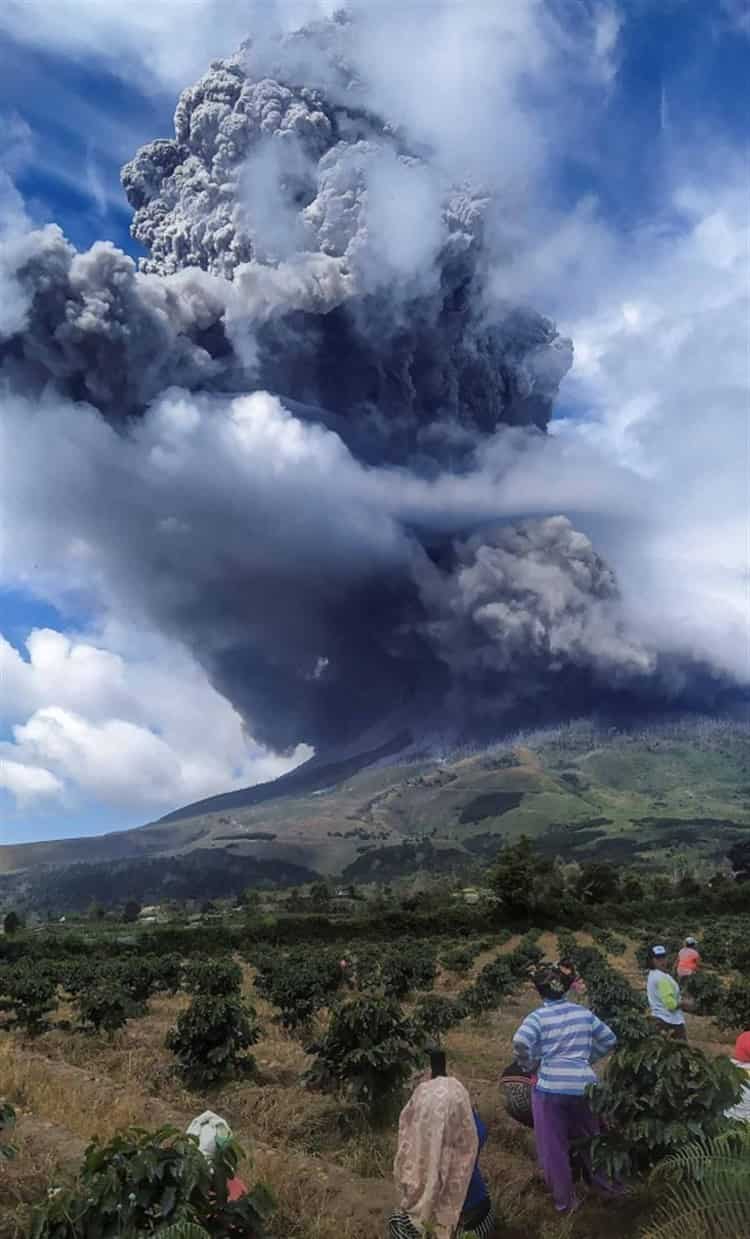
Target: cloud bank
(306, 442)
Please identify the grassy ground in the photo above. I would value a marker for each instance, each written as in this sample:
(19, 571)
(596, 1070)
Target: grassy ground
(331, 1176)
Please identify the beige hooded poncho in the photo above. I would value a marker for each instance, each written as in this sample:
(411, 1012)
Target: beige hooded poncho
(437, 1151)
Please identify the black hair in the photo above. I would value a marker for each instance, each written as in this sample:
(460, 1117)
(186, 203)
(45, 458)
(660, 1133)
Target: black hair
(437, 1063)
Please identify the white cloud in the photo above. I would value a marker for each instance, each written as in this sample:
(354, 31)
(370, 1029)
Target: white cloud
(662, 374)
(164, 44)
(137, 726)
(27, 783)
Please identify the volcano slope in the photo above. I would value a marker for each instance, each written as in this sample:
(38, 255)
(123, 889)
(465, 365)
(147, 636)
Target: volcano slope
(646, 795)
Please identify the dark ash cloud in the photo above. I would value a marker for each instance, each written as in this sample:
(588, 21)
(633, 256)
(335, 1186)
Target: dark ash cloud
(252, 429)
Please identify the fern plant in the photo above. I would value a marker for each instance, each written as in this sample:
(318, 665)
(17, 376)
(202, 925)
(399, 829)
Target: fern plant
(707, 1186)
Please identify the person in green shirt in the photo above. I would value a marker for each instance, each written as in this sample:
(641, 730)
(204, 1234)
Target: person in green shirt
(663, 994)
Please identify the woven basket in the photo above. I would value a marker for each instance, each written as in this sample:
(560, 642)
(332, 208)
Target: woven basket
(516, 1091)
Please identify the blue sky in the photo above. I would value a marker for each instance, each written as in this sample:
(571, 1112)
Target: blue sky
(81, 93)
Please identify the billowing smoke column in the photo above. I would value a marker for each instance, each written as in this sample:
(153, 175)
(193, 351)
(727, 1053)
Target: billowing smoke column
(270, 409)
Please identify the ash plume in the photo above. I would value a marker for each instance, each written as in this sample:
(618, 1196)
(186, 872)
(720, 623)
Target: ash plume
(256, 422)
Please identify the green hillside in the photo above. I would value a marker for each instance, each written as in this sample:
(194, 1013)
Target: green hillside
(673, 791)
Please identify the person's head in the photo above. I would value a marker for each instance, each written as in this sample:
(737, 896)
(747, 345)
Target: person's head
(657, 957)
(690, 942)
(438, 1066)
(552, 981)
(742, 1048)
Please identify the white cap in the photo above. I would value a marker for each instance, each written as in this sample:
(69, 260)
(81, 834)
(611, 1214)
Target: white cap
(658, 950)
(690, 942)
(212, 1132)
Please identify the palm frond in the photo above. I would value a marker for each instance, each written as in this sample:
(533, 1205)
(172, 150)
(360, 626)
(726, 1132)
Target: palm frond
(707, 1189)
(183, 1230)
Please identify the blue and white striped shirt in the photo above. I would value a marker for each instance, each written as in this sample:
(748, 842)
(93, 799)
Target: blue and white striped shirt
(564, 1039)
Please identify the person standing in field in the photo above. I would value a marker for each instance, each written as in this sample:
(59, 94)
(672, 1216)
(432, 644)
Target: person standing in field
(663, 994)
(688, 960)
(438, 1146)
(562, 1039)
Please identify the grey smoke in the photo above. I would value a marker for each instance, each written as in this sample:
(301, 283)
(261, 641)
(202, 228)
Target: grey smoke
(298, 244)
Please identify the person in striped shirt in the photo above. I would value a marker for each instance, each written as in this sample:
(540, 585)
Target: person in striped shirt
(561, 1040)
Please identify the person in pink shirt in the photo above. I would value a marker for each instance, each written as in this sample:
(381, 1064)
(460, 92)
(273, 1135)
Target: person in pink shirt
(688, 959)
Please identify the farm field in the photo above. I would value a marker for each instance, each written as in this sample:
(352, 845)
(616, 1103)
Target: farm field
(329, 1171)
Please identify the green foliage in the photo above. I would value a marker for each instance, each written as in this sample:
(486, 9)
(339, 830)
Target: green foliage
(496, 980)
(410, 967)
(299, 983)
(436, 1013)
(460, 958)
(705, 990)
(733, 1011)
(30, 992)
(167, 973)
(608, 941)
(151, 1183)
(7, 1123)
(522, 879)
(12, 923)
(131, 912)
(369, 1051)
(103, 1006)
(610, 995)
(659, 1094)
(211, 1040)
(598, 882)
(704, 1189)
(220, 977)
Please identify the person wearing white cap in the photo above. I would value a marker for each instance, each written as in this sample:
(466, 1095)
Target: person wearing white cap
(688, 960)
(664, 996)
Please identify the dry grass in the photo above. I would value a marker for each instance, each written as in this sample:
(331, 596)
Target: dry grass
(331, 1175)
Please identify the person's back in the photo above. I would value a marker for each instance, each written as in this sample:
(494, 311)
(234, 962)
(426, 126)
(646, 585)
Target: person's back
(688, 961)
(565, 1038)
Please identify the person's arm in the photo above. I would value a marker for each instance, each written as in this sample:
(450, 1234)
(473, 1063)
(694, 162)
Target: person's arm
(603, 1040)
(527, 1043)
(669, 993)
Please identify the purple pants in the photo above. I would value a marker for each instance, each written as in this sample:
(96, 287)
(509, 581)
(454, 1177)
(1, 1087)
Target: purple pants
(558, 1121)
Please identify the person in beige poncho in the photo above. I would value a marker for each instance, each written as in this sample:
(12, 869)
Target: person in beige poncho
(437, 1152)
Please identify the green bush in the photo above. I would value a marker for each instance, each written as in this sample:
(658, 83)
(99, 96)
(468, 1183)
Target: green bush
(460, 958)
(152, 1183)
(299, 984)
(104, 1006)
(219, 977)
(706, 991)
(496, 980)
(211, 1040)
(609, 942)
(409, 968)
(369, 1051)
(436, 1013)
(733, 1011)
(658, 1094)
(29, 991)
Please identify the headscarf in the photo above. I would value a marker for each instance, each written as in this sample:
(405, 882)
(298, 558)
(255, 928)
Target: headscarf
(437, 1151)
(552, 981)
(742, 1048)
